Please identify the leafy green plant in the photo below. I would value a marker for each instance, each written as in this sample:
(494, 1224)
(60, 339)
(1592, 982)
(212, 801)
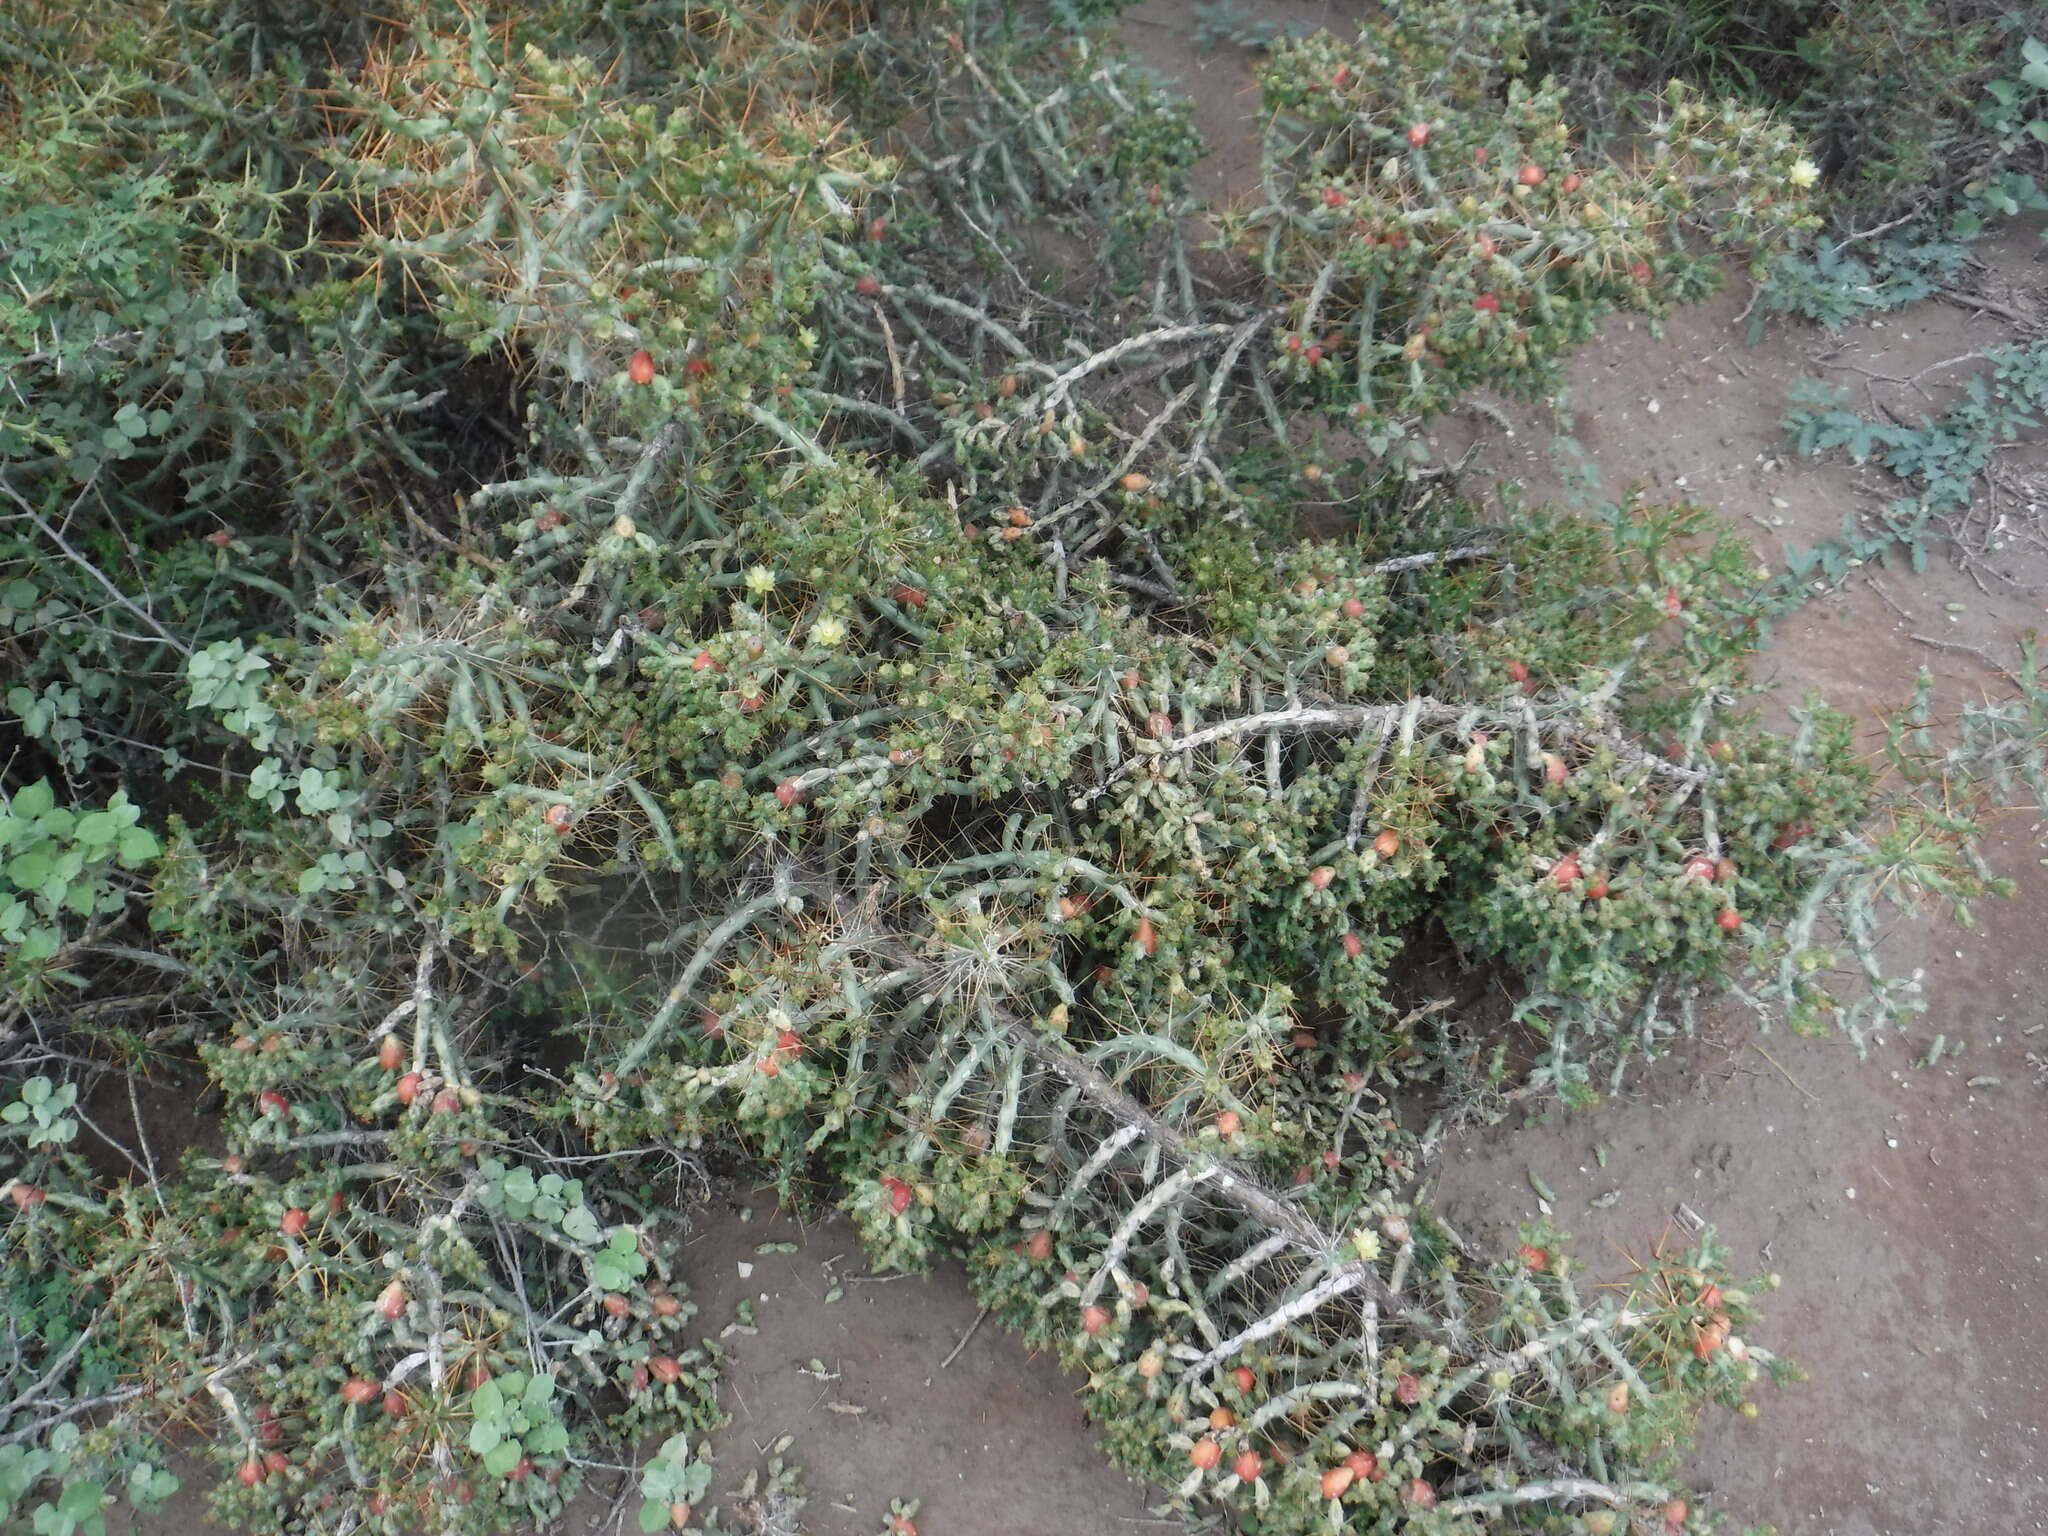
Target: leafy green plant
(227, 678)
(79, 1506)
(59, 866)
(42, 1112)
(513, 1419)
(672, 1482)
(1835, 284)
(1944, 461)
(2014, 113)
(900, 1520)
(1224, 22)
(51, 717)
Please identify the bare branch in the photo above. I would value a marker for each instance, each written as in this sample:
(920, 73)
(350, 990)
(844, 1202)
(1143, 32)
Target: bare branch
(92, 570)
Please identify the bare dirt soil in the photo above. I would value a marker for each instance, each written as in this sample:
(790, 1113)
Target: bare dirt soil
(993, 1442)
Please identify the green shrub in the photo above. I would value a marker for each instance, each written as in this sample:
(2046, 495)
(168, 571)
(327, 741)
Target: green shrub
(1433, 227)
(59, 868)
(1944, 461)
(865, 714)
(1911, 106)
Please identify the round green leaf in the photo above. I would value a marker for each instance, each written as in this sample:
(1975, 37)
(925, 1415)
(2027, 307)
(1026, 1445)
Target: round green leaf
(502, 1458)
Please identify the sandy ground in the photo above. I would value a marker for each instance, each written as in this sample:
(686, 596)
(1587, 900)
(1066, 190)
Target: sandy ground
(993, 1442)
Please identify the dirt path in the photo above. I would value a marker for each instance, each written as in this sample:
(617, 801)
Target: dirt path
(992, 1445)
